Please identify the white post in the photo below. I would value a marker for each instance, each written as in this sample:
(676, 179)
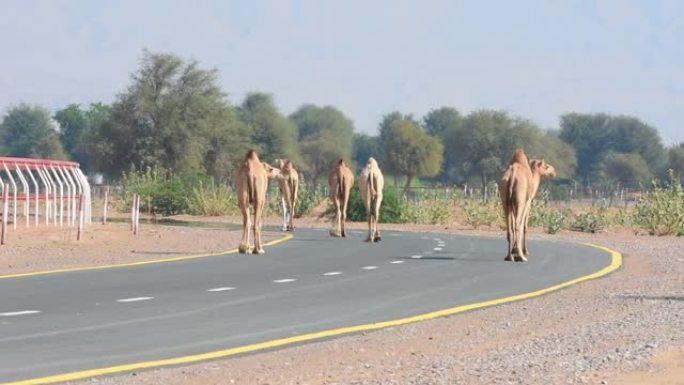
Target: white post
(69, 195)
(137, 214)
(133, 211)
(35, 186)
(53, 186)
(27, 193)
(104, 206)
(5, 198)
(80, 217)
(61, 195)
(88, 195)
(14, 195)
(48, 192)
(76, 189)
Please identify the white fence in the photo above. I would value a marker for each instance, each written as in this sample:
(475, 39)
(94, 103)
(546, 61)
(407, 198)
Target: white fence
(45, 190)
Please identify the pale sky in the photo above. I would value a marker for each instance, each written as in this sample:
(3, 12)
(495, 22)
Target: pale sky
(535, 59)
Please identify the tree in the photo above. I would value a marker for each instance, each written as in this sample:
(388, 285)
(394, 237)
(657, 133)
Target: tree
(410, 151)
(274, 135)
(28, 131)
(441, 121)
(167, 117)
(484, 143)
(676, 159)
(594, 136)
(387, 124)
(77, 128)
(366, 146)
(326, 135)
(627, 169)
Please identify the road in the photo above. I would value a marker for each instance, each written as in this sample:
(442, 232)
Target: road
(76, 321)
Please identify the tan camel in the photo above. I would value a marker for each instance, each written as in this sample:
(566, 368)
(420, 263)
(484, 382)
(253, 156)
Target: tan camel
(340, 180)
(252, 183)
(288, 184)
(371, 184)
(517, 188)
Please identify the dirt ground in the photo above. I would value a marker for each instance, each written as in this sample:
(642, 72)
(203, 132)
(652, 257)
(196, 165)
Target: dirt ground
(589, 333)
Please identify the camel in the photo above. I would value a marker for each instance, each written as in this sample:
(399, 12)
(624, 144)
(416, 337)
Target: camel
(288, 184)
(517, 188)
(340, 180)
(252, 183)
(371, 184)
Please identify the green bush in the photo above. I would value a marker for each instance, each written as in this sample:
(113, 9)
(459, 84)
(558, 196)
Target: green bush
(661, 212)
(161, 192)
(551, 219)
(478, 213)
(592, 221)
(390, 211)
(212, 199)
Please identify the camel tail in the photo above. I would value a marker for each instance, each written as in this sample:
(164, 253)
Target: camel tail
(340, 183)
(371, 184)
(252, 191)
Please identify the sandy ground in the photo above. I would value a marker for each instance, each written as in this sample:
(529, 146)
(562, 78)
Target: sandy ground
(627, 328)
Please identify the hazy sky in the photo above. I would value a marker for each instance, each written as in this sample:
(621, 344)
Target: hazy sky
(535, 59)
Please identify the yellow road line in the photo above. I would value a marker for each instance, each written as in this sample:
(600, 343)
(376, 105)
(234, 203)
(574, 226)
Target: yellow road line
(171, 259)
(616, 262)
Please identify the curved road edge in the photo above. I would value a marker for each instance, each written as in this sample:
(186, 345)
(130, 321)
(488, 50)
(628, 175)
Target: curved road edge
(155, 261)
(616, 263)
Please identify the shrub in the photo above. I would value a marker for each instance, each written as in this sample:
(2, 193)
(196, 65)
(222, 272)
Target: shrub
(212, 199)
(592, 221)
(541, 214)
(661, 212)
(478, 213)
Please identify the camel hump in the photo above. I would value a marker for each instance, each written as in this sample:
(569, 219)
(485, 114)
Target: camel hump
(251, 154)
(519, 157)
(372, 162)
(340, 162)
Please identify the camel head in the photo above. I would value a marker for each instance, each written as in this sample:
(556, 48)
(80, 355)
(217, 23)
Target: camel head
(544, 169)
(272, 172)
(280, 163)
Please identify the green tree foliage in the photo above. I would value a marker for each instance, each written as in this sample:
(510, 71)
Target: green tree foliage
(168, 116)
(387, 124)
(443, 123)
(77, 130)
(594, 136)
(628, 169)
(29, 131)
(676, 160)
(325, 134)
(412, 152)
(366, 146)
(273, 135)
(483, 145)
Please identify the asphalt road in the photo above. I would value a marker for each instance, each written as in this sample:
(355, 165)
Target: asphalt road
(74, 321)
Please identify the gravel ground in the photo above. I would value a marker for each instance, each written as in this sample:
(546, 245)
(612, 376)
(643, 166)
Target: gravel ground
(605, 331)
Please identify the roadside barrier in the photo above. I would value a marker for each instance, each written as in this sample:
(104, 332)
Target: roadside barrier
(49, 188)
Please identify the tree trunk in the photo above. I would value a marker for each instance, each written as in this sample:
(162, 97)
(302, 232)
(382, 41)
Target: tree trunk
(409, 179)
(485, 196)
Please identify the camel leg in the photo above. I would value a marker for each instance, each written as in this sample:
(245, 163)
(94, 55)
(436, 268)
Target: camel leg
(290, 215)
(344, 214)
(369, 216)
(244, 243)
(335, 232)
(510, 234)
(519, 233)
(528, 209)
(284, 206)
(376, 218)
(258, 248)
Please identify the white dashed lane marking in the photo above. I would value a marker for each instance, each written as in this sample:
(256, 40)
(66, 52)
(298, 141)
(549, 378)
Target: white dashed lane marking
(416, 256)
(396, 262)
(134, 299)
(437, 249)
(330, 274)
(221, 289)
(17, 313)
(286, 280)
(369, 267)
